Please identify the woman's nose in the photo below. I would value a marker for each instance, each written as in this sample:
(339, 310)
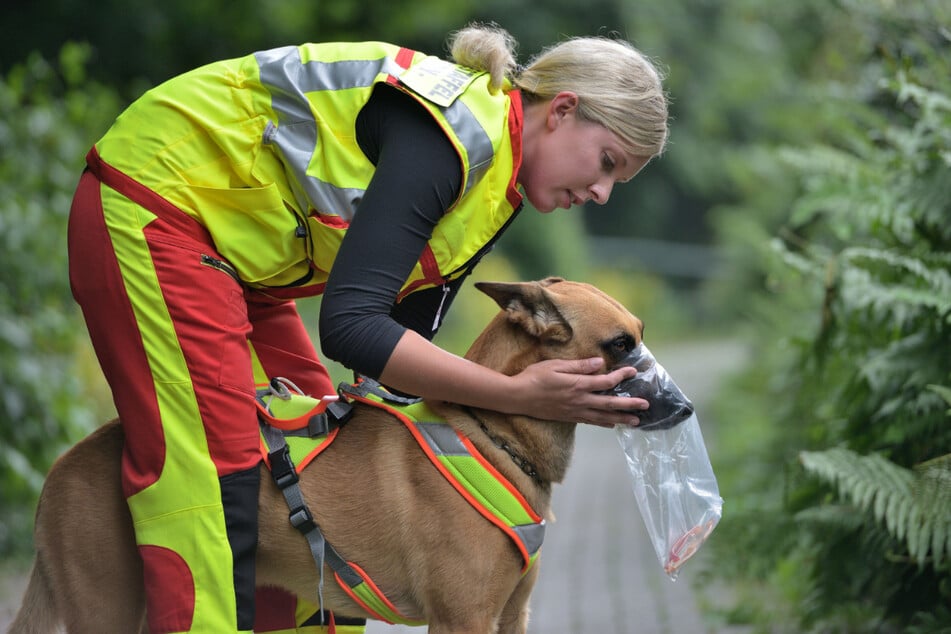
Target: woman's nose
(600, 192)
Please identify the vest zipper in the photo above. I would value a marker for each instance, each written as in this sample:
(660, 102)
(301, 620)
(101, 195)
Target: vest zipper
(442, 302)
(473, 261)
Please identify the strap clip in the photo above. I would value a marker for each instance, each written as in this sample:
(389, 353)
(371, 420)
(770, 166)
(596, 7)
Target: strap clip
(339, 411)
(302, 520)
(282, 467)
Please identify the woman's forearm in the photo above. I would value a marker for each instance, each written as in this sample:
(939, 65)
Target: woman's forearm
(556, 390)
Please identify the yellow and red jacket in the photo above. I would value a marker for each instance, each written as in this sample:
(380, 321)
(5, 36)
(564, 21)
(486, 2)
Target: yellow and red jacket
(261, 150)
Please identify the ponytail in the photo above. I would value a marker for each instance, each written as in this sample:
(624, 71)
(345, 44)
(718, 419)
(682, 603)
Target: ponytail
(485, 47)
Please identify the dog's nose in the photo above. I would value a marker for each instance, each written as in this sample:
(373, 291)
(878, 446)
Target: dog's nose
(668, 404)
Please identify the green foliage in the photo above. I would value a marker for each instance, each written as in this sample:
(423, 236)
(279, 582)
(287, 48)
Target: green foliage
(851, 306)
(49, 117)
(912, 504)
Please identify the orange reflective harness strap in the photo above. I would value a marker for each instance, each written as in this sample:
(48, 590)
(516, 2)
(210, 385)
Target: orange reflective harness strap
(464, 467)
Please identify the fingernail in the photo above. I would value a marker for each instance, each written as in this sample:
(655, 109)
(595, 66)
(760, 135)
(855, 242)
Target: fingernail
(635, 422)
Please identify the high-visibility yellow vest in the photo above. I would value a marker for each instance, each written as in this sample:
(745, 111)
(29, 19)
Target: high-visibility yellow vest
(262, 151)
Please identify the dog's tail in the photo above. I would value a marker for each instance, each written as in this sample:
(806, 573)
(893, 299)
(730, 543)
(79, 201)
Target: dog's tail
(38, 613)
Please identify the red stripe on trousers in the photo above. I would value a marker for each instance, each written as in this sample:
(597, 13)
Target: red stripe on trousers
(213, 322)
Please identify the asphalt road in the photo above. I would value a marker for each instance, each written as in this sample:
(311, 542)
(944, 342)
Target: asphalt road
(599, 572)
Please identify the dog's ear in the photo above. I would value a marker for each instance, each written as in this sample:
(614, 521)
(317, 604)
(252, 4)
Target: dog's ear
(530, 306)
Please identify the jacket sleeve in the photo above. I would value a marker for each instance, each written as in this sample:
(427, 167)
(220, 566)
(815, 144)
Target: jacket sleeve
(418, 176)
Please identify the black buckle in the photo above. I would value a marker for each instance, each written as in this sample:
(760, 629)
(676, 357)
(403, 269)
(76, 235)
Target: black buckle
(318, 425)
(282, 468)
(339, 411)
(302, 520)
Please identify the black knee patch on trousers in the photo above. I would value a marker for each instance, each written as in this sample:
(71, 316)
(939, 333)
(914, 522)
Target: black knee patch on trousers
(239, 497)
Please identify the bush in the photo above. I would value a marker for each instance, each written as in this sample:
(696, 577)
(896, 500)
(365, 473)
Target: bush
(852, 390)
(50, 117)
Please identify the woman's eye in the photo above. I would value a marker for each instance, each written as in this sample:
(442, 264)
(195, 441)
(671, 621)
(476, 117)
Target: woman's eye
(607, 163)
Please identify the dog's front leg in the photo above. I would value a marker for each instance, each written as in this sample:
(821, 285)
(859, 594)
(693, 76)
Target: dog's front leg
(475, 626)
(514, 619)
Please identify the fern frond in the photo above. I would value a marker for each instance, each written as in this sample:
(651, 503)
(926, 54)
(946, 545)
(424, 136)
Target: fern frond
(933, 484)
(943, 391)
(914, 506)
(841, 517)
(936, 276)
(931, 101)
(910, 288)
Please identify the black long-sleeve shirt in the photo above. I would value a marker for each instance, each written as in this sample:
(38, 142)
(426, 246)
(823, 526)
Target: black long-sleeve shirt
(418, 176)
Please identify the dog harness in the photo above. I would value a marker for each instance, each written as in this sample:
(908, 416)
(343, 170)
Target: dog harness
(288, 447)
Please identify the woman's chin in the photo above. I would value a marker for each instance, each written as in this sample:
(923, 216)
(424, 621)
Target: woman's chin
(542, 206)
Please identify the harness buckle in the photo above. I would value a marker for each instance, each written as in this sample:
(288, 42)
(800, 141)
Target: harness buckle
(282, 468)
(302, 520)
(318, 425)
(339, 411)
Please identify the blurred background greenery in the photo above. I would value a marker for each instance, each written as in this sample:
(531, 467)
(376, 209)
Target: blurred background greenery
(802, 210)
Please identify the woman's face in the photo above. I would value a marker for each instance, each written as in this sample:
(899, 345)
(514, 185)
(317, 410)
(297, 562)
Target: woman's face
(567, 161)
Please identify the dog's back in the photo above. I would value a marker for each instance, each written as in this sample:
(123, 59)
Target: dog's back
(83, 528)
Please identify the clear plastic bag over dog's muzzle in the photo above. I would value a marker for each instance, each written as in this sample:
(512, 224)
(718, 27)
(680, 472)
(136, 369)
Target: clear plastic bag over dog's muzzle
(673, 480)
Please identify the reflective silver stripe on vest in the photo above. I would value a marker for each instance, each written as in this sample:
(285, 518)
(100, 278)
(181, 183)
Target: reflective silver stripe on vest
(473, 137)
(532, 535)
(442, 439)
(288, 80)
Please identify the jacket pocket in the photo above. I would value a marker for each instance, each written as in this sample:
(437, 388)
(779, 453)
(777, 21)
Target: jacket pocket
(253, 230)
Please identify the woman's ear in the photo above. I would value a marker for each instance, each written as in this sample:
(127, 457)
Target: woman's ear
(562, 106)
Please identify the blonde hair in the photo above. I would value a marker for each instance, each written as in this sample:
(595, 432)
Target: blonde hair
(618, 87)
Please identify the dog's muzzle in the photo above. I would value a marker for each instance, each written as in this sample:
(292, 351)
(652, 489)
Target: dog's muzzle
(668, 404)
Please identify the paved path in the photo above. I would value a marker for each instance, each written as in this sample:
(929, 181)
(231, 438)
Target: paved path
(599, 573)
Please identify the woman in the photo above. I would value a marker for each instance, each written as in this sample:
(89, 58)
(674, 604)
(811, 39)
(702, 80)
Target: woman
(370, 173)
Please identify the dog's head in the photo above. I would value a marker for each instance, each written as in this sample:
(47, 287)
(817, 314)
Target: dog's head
(558, 319)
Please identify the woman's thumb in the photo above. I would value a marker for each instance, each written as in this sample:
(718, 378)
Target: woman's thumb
(592, 364)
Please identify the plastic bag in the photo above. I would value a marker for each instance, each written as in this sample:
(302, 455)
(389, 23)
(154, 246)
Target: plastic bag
(673, 481)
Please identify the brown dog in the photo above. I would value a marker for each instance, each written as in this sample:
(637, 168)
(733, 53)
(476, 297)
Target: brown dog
(377, 499)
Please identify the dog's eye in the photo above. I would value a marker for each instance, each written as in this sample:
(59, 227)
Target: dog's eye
(620, 346)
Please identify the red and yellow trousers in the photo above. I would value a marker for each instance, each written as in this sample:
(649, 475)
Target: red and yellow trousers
(172, 333)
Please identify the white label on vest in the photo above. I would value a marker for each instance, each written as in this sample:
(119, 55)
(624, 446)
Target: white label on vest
(437, 80)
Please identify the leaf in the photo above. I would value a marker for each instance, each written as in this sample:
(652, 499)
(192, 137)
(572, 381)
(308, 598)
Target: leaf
(913, 505)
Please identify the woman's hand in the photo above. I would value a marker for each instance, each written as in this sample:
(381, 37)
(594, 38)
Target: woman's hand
(566, 391)
(556, 389)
